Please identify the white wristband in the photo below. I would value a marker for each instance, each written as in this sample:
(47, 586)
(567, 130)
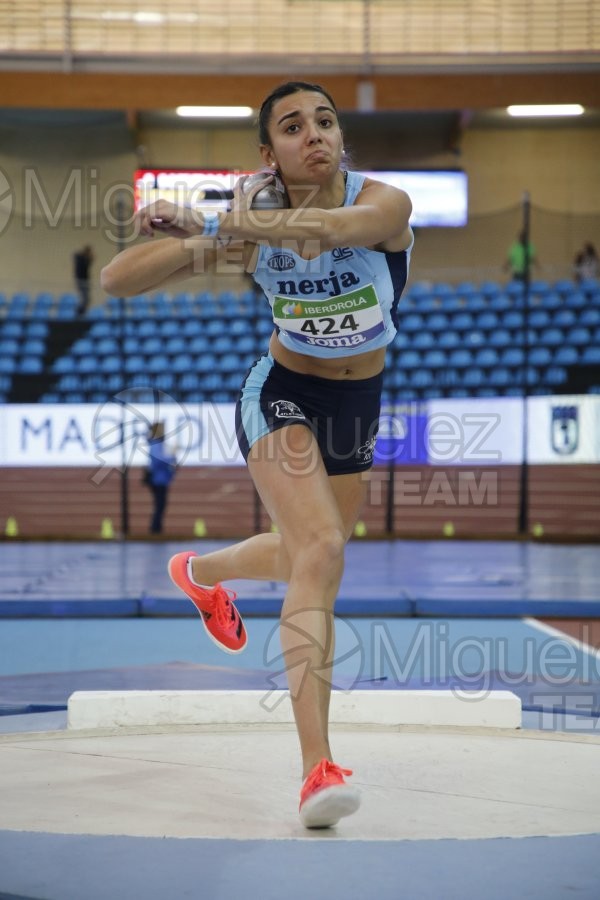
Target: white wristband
(211, 224)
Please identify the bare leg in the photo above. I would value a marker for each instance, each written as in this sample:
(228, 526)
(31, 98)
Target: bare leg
(301, 498)
(263, 557)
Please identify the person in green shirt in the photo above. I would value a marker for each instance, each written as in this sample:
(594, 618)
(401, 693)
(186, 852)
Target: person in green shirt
(516, 257)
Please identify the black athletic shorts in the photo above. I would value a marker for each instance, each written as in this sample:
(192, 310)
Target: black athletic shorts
(342, 414)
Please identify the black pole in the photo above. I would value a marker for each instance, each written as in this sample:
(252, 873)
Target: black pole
(524, 481)
(120, 207)
(391, 475)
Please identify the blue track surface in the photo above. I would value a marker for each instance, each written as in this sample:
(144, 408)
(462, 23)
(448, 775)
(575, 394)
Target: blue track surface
(390, 578)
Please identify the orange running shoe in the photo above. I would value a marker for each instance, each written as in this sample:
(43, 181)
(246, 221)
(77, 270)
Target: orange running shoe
(221, 619)
(325, 797)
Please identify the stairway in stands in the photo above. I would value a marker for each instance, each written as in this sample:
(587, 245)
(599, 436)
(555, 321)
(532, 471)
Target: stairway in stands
(61, 337)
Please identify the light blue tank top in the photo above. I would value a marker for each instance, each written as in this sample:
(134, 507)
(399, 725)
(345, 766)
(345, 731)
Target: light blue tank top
(342, 303)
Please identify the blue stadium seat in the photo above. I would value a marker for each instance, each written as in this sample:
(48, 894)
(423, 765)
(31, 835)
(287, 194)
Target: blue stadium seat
(93, 312)
(86, 364)
(475, 338)
(591, 356)
(458, 392)
(189, 381)
(555, 375)
(490, 289)
(397, 378)
(198, 344)
(412, 322)
(486, 320)
(575, 300)
(448, 339)
(191, 328)
(420, 378)
(486, 357)
(246, 344)
(152, 345)
(512, 318)
(578, 337)
(71, 382)
(564, 286)
(215, 327)
(551, 301)
(229, 363)
(176, 345)
(131, 345)
(170, 328)
(564, 318)
(540, 356)
(422, 340)
(409, 359)
(473, 377)
(460, 358)
(101, 329)
(147, 329)
(64, 364)
(33, 347)
(552, 337)
(435, 359)
(589, 317)
(159, 362)
(106, 346)
(540, 287)
(438, 322)
(8, 364)
(164, 381)
(182, 363)
(12, 329)
(500, 377)
(135, 364)
(565, 356)
(477, 303)
(539, 318)
(500, 338)
(223, 343)
(211, 381)
(512, 356)
(514, 289)
(401, 340)
(110, 363)
(9, 347)
(205, 362)
(83, 347)
(499, 303)
(264, 327)
(462, 321)
(40, 330)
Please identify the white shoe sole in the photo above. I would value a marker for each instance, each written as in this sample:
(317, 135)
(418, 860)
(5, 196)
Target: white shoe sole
(330, 805)
(215, 641)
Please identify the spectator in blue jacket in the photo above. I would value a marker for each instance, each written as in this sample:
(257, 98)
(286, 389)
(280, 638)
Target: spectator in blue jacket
(159, 474)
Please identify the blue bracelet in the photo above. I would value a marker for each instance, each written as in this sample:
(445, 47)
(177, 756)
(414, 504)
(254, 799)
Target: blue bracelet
(211, 224)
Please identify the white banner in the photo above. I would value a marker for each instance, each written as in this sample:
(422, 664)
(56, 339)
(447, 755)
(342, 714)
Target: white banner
(474, 432)
(112, 435)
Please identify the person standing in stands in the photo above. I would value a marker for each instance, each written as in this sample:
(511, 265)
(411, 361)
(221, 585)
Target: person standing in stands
(333, 267)
(520, 252)
(586, 264)
(82, 264)
(159, 474)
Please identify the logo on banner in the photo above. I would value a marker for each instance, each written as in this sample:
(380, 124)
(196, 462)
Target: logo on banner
(565, 429)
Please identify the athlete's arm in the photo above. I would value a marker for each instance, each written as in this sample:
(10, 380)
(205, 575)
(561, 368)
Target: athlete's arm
(379, 217)
(155, 264)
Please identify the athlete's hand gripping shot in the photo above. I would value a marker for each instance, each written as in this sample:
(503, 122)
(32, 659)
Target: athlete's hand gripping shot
(330, 249)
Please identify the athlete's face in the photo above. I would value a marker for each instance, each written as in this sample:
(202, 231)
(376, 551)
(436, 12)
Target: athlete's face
(306, 140)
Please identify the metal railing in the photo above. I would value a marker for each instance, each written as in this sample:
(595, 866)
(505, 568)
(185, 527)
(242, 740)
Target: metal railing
(346, 35)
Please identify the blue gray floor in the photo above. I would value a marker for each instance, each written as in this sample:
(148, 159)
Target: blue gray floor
(194, 812)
